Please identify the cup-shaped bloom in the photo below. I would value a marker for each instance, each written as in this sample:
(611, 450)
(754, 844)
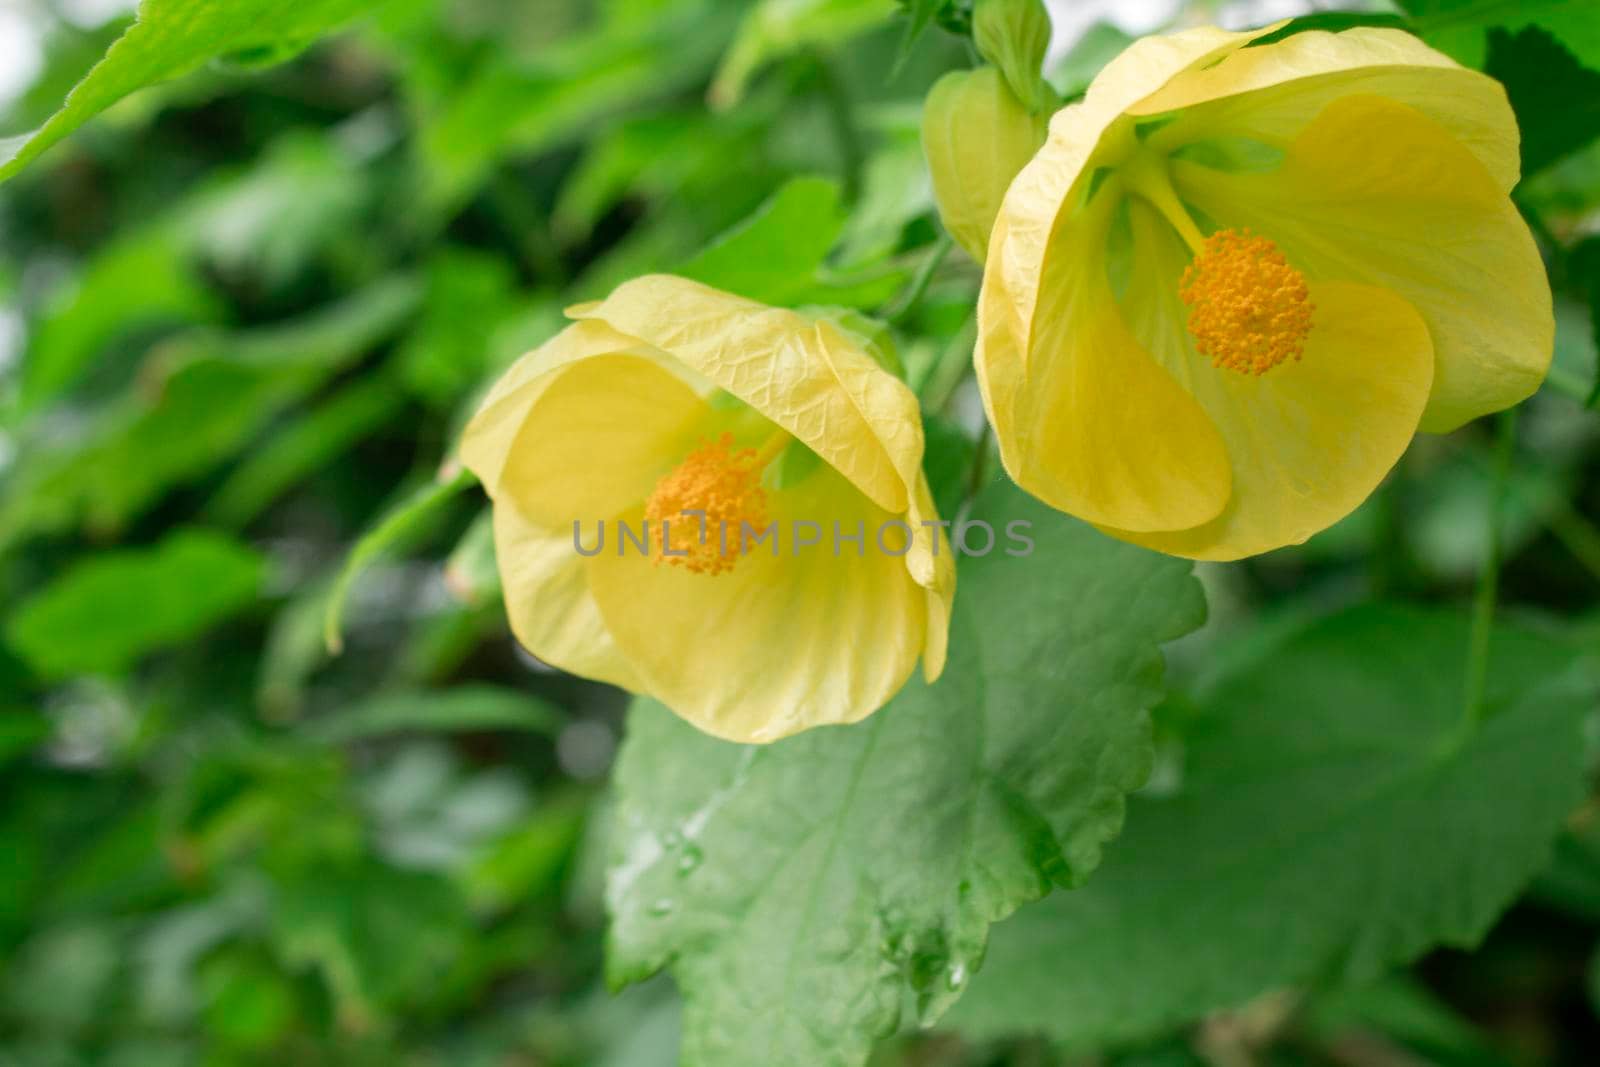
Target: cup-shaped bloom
(718, 504)
(1236, 280)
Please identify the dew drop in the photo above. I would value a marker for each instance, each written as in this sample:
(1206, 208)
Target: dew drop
(691, 858)
(661, 907)
(957, 977)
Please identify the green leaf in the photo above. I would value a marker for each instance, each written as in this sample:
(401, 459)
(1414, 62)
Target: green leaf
(108, 611)
(1556, 98)
(142, 280)
(465, 708)
(268, 221)
(777, 254)
(804, 891)
(775, 28)
(207, 394)
(1459, 27)
(1334, 821)
(469, 294)
(304, 446)
(172, 38)
(518, 104)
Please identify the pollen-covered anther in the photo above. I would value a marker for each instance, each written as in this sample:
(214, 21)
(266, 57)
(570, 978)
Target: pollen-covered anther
(1249, 310)
(697, 510)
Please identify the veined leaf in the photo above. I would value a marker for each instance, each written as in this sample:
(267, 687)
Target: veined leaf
(172, 38)
(803, 891)
(1334, 821)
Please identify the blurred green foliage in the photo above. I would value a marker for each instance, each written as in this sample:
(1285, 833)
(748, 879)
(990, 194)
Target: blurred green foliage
(243, 315)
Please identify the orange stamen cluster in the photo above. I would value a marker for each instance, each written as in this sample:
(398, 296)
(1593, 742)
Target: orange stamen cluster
(724, 484)
(1249, 310)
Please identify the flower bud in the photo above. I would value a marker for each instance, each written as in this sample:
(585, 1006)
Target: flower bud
(1014, 35)
(977, 136)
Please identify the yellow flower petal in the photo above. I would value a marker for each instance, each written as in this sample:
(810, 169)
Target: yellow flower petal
(778, 644)
(1272, 92)
(1308, 440)
(932, 563)
(1085, 418)
(548, 602)
(598, 438)
(489, 436)
(802, 374)
(1040, 194)
(1375, 192)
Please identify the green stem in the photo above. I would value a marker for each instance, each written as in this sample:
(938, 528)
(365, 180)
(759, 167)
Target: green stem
(1568, 384)
(950, 369)
(921, 280)
(1483, 604)
(980, 462)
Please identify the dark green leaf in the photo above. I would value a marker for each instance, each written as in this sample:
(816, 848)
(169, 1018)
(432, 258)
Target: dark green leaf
(776, 255)
(1334, 821)
(1556, 98)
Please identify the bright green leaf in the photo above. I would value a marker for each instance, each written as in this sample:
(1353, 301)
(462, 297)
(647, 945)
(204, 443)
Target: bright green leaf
(111, 609)
(777, 254)
(804, 891)
(172, 38)
(469, 294)
(1333, 821)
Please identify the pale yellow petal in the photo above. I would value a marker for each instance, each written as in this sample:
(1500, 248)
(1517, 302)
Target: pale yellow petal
(1272, 92)
(547, 597)
(802, 374)
(598, 438)
(1308, 440)
(489, 436)
(932, 564)
(780, 643)
(1084, 417)
(1038, 201)
(1375, 192)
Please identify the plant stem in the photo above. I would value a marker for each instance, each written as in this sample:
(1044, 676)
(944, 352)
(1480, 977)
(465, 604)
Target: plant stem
(922, 279)
(980, 463)
(1568, 384)
(950, 369)
(1489, 578)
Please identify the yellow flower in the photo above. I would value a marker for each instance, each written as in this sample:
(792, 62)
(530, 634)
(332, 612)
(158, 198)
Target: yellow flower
(1235, 281)
(771, 557)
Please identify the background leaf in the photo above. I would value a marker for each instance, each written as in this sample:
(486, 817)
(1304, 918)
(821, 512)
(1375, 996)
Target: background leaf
(172, 38)
(1322, 831)
(105, 613)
